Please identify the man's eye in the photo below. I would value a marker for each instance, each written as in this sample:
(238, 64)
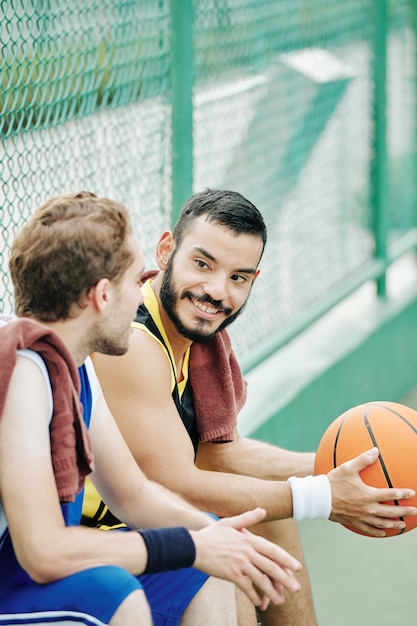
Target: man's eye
(237, 278)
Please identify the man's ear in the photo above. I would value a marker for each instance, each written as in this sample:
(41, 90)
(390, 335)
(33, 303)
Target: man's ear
(258, 271)
(99, 294)
(164, 249)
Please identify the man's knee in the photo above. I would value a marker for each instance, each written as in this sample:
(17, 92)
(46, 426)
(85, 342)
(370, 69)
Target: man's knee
(133, 611)
(283, 532)
(215, 603)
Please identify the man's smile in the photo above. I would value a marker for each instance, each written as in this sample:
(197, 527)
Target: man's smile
(205, 308)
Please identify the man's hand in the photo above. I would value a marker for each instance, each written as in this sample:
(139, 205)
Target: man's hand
(259, 567)
(358, 505)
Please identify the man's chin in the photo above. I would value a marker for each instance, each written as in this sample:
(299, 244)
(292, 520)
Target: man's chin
(113, 348)
(196, 335)
(202, 332)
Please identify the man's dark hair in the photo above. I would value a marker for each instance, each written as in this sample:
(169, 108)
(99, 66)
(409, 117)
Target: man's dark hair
(228, 208)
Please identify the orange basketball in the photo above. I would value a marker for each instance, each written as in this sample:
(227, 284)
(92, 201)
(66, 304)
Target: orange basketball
(389, 426)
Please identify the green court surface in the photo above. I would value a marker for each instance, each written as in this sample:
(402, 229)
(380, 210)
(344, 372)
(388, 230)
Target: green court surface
(361, 581)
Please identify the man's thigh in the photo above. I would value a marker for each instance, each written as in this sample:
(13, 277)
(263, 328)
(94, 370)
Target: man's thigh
(88, 597)
(91, 597)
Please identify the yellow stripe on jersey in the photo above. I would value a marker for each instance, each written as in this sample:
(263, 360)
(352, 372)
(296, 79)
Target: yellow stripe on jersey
(95, 512)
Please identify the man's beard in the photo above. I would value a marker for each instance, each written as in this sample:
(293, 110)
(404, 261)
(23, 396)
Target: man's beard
(112, 343)
(169, 298)
(111, 347)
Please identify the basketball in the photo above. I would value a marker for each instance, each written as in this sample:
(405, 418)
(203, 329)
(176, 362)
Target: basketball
(389, 426)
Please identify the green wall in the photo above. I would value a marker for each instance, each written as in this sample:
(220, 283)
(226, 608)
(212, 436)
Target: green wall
(363, 350)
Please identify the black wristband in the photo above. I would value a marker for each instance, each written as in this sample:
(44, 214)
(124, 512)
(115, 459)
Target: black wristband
(168, 549)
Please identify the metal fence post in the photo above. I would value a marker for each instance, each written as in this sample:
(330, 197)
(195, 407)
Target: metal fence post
(181, 102)
(379, 180)
(413, 10)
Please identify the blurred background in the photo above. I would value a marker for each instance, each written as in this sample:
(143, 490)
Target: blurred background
(308, 109)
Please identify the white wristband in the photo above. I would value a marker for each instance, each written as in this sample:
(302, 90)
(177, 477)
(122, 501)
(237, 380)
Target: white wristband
(311, 497)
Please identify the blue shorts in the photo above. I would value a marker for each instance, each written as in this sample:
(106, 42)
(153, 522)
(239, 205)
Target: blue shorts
(92, 596)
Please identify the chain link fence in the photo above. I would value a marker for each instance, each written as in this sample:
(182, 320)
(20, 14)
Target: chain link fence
(284, 110)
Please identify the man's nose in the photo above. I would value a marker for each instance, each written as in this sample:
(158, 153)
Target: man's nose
(216, 287)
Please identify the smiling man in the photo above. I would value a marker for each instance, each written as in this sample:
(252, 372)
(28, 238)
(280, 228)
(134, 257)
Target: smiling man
(176, 392)
(198, 316)
(76, 270)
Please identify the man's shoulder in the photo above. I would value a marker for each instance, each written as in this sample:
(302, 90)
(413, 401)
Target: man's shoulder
(30, 369)
(148, 359)
(145, 322)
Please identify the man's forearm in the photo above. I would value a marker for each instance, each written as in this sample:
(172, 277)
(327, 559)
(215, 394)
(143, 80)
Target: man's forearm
(255, 458)
(155, 506)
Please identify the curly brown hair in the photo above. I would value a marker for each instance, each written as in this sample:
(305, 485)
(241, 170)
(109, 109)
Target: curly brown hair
(65, 248)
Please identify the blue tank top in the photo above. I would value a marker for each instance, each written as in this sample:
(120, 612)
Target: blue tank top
(72, 510)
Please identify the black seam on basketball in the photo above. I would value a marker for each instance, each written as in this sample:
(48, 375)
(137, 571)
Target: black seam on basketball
(380, 459)
(374, 441)
(336, 440)
(405, 420)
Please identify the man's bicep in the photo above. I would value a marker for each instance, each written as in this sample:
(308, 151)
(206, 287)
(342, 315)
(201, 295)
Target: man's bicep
(27, 484)
(24, 425)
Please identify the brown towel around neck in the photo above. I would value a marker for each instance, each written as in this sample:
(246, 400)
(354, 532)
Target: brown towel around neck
(71, 452)
(219, 389)
(217, 384)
